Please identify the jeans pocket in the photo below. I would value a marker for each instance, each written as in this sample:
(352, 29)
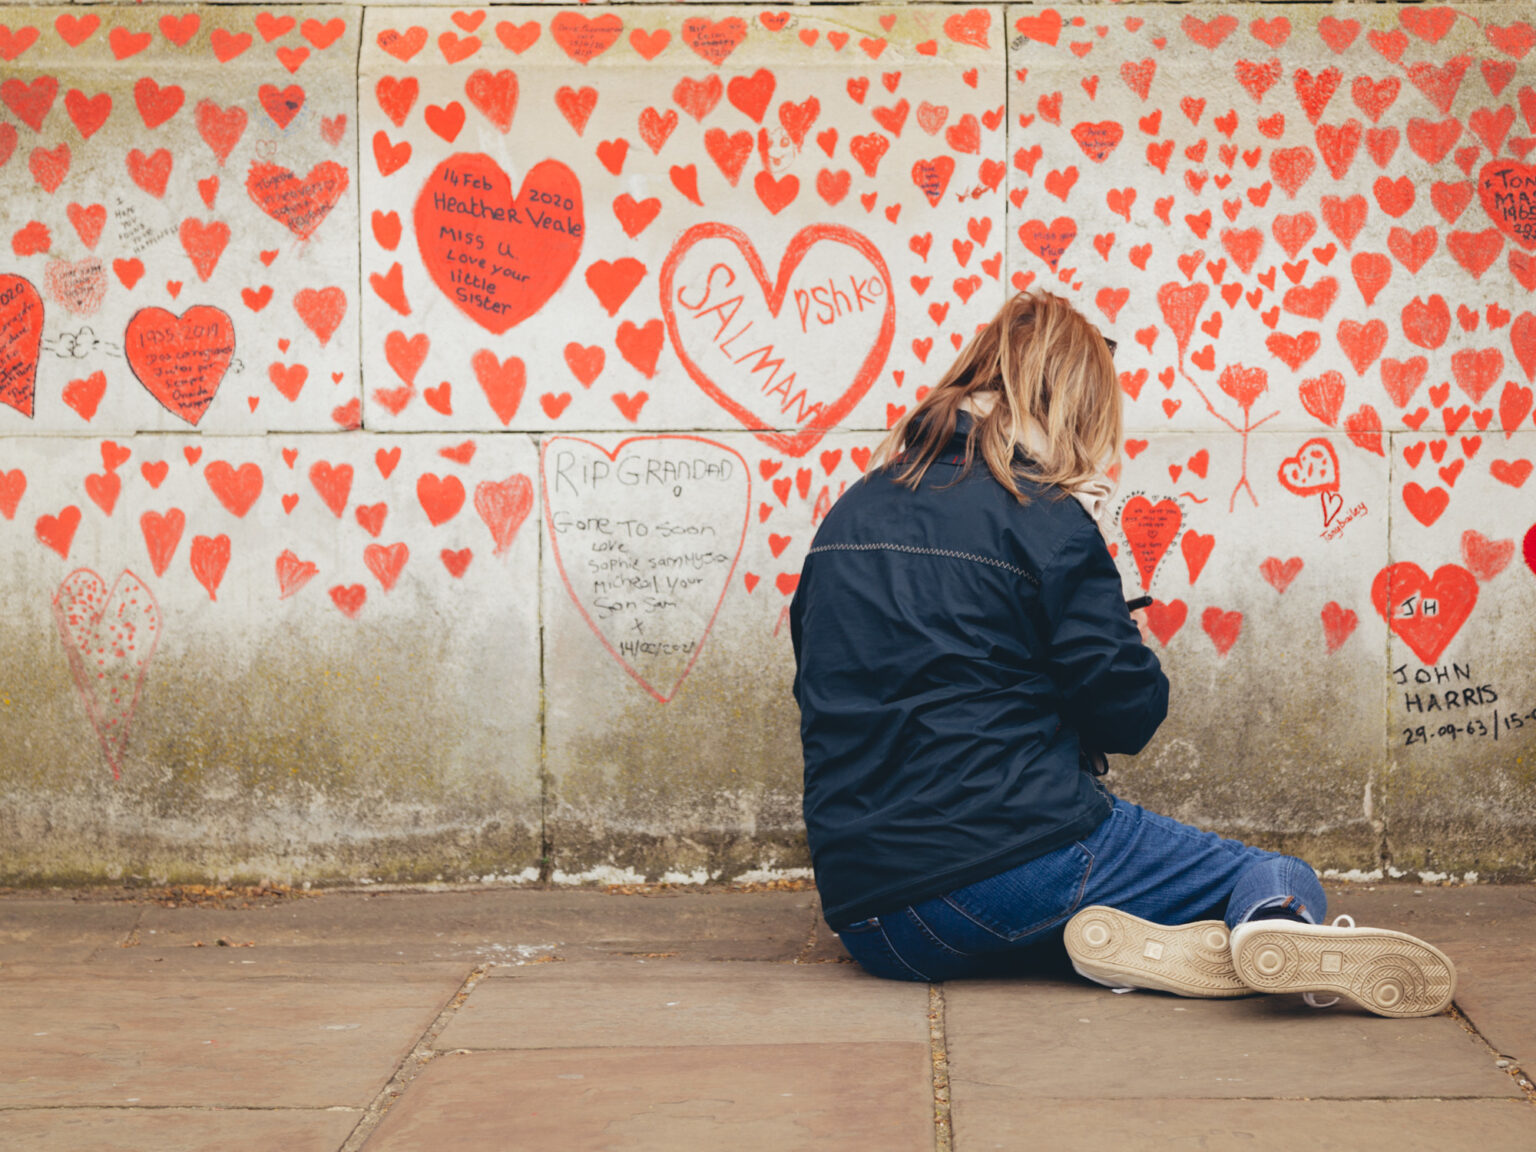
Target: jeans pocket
(1030, 898)
(868, 944)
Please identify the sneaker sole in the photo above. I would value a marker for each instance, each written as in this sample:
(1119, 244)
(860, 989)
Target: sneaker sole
(1385, 972)
(1120, 949)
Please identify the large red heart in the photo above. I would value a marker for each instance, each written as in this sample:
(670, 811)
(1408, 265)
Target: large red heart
(109, 637)
(21, 336)
(1507, 190)
(182, 359)
(1425, 611)
(781, 373)
(1150, 530)
(498, 259)
(301, 205)
(646, 536)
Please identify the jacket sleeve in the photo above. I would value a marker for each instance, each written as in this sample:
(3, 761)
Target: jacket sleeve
(1113, 690)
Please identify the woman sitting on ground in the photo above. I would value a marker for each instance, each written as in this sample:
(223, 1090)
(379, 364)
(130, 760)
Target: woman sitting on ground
(965, 656)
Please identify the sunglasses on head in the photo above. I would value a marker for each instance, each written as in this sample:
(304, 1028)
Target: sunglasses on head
(1113, 344)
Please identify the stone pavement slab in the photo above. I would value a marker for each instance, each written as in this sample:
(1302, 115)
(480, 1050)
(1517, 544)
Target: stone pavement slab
(176, 1129)
(1049, 1039)
(1486, 931)
(60, 931)
(994, 1120)
(83, 1039)
(667, 1003)
(754, 1098)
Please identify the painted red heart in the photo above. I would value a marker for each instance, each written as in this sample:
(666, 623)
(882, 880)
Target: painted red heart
(1424, 611)
(21, 336)
(1339, 624)
(496, 258)
(333, 483)
(1222, 627)
(386, 561)
(300, 205)
(162, 534)
(321, 309)
(293, 573)
(503, 506)
(495, 95)
(180, 360)
(1485, 558)
(1314, 469)
(768, 394)
(235, 488)
(440, 497)
(1507, 190)
(1150, 530)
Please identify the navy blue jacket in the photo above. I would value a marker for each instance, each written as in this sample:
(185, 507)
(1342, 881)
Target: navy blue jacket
(955, 653)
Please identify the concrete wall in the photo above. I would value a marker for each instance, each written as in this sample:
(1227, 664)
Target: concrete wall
(412, 419)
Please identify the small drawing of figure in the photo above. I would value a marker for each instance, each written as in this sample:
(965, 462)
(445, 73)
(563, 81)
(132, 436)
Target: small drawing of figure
(777, 149)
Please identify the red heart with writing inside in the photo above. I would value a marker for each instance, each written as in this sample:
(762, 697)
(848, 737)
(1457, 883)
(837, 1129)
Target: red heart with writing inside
(498, 259)
(1507, 189)
(109, 637)
(1150, 530)
(300, 205)
(839, 327)
(180, 360)
(1425, 611)
(21, 337)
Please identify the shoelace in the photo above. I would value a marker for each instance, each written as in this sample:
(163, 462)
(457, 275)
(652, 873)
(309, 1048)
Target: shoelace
(1343, 920)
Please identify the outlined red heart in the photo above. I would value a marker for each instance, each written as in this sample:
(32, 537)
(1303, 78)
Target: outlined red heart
(650, 596)
(21, 337)
(180, 360)
(1150, 530)
(1314, 468)
(496, 258)
(1424, 611)
(109, 638)
(771, 392)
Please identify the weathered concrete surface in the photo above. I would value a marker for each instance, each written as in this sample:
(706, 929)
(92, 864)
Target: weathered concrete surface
(1307, 231)
(620, 1045)
(273, 728)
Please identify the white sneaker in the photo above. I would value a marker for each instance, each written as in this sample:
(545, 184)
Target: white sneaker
(1122, 951)
(1385, 972)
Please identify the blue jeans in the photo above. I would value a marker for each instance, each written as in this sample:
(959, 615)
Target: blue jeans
(1136, 861)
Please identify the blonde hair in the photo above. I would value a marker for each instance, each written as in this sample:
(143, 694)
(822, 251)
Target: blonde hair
(1048, 367)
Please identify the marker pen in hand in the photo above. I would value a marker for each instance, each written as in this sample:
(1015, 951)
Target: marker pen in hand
(1138, 604)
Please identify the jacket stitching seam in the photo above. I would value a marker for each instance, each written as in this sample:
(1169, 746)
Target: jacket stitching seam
(946, 552)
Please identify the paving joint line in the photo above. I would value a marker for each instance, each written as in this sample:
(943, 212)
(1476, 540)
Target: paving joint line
(1504, 1063)
(410, 1067)
(938, 1050)
(810, 937)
